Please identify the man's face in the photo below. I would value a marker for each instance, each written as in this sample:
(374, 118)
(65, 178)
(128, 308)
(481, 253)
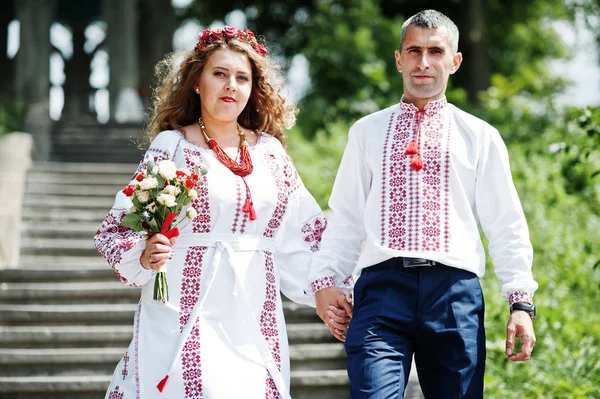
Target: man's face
(426, 60)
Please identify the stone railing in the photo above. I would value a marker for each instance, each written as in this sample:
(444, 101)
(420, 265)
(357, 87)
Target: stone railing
(15, 160)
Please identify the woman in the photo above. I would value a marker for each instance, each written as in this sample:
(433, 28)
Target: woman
(222, 334)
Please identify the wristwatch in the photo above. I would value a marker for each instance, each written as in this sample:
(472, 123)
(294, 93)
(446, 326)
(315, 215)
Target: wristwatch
(524, 307)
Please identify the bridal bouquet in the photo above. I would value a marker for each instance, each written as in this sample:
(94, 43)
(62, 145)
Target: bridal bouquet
(159, 195)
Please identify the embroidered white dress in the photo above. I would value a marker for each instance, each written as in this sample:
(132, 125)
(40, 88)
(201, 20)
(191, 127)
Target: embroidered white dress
(378, 200)
(226, 269)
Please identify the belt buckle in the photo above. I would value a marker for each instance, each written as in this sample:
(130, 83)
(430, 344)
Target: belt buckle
(412, 263)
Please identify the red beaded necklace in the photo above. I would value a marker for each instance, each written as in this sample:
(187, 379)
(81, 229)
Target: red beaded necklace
(242, 169)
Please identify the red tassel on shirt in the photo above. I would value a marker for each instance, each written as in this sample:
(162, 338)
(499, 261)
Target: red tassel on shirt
(162, 383)
(416, 163)
(412, 148)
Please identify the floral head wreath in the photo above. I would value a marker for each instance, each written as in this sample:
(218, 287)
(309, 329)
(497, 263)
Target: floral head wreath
(209, 36)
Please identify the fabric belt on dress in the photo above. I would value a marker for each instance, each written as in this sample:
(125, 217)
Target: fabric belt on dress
(230, 243)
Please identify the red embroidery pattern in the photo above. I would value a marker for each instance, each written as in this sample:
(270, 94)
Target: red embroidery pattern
(136, 352)
(190, 364)
(292, 179)
(113, 239)
(268, 322)
(313, 231)
(349, 281)
(190, 283)
(190, 294)
(125, 360)
(238, 204)
(418, 201)
(282, 197)
(115, 394)
(447, 190)
(201, 224)
(383, 175)
(322, 282)
(520, 296)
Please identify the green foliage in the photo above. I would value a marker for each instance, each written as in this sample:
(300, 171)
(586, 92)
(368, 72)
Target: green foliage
(317, 159)
(580, 140)
(350, 47)
(565, 232)
(12, 115)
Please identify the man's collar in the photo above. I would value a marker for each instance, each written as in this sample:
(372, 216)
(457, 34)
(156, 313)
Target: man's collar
(432, 107)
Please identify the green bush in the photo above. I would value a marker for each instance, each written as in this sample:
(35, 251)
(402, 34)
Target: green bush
(12, 115)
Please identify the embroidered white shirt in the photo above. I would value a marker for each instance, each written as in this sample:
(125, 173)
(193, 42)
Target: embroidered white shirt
(380, 204)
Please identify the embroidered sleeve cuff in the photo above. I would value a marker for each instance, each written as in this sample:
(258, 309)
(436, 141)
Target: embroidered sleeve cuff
(322, 282)
(520, 296)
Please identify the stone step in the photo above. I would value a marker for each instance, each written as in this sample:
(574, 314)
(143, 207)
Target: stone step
(84, 361)
(43, 262)
(305, 384)
(70, 203)
(120, 179)
(100, 158)
(48, 272)
(107, 314)
(56, 246)
(59, 230)
(83, 168)
(80, 336)
(68, 292)
(67, 190)
(59, 215)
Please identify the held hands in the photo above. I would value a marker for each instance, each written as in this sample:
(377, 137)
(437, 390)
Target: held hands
(158, 251)
(520, 326)
(334, 307)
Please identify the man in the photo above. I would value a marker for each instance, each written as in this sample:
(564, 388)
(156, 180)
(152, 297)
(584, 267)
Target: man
(415, 181)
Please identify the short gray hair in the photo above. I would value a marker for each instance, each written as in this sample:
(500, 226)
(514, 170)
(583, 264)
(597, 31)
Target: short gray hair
(431, 19)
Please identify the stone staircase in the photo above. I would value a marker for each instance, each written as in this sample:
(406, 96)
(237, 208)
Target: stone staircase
(66, 320)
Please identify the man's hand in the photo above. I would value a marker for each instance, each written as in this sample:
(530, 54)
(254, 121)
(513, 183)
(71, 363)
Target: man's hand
(334, 307)
(519, 326)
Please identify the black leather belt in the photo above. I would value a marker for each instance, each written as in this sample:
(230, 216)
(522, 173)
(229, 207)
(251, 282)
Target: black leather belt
(408, 264)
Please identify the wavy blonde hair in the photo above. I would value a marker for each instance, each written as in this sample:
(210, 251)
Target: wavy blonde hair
(175, 104)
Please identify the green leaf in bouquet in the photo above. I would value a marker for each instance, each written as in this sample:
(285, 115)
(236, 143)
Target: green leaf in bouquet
(161, 182)
(154, 224)
(136, 202)
(150, 168)
(133, 221)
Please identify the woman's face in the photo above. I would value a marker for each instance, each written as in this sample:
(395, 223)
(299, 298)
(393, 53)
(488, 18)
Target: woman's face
(225, 85)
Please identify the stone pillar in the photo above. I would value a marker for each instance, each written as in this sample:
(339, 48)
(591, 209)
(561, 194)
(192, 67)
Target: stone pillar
(121, 18)
(33, 69)
(157, 26)
(7, 77)
(15, 160)
(77, 84)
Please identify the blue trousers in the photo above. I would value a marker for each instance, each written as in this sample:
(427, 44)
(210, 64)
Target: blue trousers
(435, 313)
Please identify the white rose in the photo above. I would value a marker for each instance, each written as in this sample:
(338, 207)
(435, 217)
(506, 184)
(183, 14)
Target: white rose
(185, 171)
(148, 183)
(167, 200)
(191, 213)
(193, 193)
(143, 196)
(173, 190)
(167, 169)
(151, 207)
